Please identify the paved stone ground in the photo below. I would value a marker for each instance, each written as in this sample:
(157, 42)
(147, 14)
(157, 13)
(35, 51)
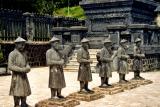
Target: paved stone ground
(143, 96)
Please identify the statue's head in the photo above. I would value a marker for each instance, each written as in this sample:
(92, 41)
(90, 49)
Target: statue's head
(124, 43)
(85, 43)
(138, 41)
(55, 43)
(20, 44)
(107, 43)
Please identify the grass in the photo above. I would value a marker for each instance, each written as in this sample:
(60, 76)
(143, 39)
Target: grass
(75, 12)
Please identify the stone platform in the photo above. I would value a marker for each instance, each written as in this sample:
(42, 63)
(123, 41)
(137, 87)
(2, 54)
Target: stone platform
(109, 90)
(133, 84)
(127, 86)
(141, 82)
(86, 96)
(143, 96)
(66, 102)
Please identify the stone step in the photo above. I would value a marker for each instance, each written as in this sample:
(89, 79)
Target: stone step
(71, 62)
(70, 70)
(75, 70)
(75, 61)
(91, 54)
(75, 65)
(92, 50)
(92, 57)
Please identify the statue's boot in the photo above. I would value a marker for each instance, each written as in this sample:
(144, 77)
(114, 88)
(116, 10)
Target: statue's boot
(107, 82)
(124, 78)
(87, 89)
(121, 81)
(135, 75)
(103, 85)
(140, 78)
(53, 93)
(59, 95)
(16, 101)
(23, 102)
(82, 89)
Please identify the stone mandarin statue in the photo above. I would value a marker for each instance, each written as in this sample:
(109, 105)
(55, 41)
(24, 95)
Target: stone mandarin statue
(19, 66)
(84, 72)
(55, 62)
(105, 59)
(122, 61)
(137, 62)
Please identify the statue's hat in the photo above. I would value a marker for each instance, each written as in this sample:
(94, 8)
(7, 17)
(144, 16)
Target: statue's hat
(84, 40)
(138, 40)
(107, 41)
(19, 39)
(54, 39)
(123, 41)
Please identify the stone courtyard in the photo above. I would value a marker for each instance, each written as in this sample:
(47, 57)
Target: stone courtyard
(143, 96)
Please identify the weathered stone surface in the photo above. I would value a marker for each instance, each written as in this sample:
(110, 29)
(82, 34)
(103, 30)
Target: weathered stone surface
(58, 103)
(143, 96)
(142, 82)
(127, 86)
(109, 90)
(138, 82)
(86, 96)
(146, 82)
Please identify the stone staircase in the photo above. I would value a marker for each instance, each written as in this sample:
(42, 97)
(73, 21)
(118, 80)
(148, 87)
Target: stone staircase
(73, 65)
(149, 63)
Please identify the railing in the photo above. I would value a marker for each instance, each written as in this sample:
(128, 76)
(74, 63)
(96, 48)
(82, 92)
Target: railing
(31, 26)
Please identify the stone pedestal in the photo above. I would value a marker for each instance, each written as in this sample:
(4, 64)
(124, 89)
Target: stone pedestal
(138, 82)
(86, 96)
(66, 102)
(133, 84)
(146, 82)
(127, 86)
(141, 82)
(109, 90)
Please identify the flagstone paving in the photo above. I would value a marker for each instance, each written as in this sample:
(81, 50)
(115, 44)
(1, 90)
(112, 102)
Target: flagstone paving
(143, 96)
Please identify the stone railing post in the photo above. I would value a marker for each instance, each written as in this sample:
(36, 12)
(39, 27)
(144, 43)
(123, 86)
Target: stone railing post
(29, 26)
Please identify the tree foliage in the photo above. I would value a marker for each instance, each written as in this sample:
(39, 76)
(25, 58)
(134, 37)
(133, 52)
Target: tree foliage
(49, 6)
(40, 6)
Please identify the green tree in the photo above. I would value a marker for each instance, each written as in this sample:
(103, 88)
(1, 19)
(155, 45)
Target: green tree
(44, 7)
(49, 6)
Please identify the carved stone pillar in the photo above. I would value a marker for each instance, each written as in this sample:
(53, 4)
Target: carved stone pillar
(29, 26)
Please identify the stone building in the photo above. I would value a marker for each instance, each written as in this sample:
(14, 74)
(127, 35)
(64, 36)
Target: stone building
(122, 19)
(125, 19)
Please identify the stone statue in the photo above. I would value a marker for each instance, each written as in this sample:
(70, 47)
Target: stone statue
(115, 58)
(84, 72)
(122, 61)
(19, 66)
(105, 58)
(56, 75)
(99, 63)
(137, 62)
